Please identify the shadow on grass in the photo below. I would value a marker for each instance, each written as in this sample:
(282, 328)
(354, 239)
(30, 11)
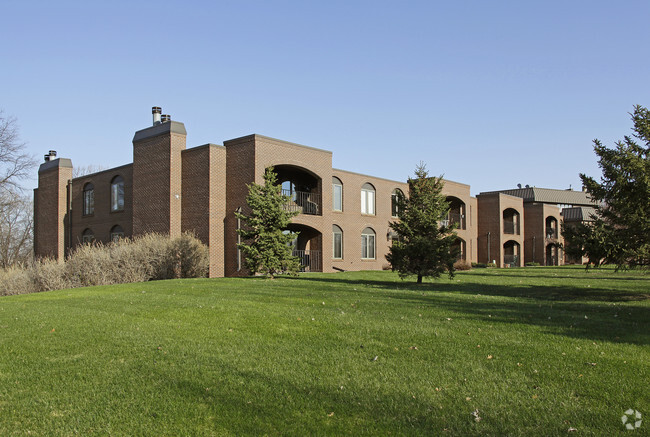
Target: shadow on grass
(595, 314)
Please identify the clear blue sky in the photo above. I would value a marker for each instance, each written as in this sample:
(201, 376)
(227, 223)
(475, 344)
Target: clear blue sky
(487, 93)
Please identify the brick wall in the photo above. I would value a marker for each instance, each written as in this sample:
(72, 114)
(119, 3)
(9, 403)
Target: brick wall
(50, 209)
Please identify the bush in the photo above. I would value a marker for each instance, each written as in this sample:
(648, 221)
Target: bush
(532, 264)
(147, 257)
(461, 264)
(479, 265)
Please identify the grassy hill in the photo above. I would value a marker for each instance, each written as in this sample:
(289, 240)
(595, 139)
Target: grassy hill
(531, 351)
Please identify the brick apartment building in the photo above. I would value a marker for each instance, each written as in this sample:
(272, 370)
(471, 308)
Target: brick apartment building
(170, 189)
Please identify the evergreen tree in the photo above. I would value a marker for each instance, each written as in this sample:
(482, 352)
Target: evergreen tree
(423, 246)
(266, 245)
(623, 221)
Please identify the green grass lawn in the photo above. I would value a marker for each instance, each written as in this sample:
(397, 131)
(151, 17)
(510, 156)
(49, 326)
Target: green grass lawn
(536, 351)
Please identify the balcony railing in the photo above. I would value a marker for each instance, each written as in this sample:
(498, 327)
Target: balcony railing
(303, 202)
(511, 228)
(551, 232)
(309, 260)
(511, 260)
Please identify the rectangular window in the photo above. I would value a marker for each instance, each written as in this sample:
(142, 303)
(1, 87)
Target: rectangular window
(367, 202)
(367, 246)
(89, 202)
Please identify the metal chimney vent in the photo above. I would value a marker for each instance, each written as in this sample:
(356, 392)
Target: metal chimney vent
(165, 118)
(156, 111)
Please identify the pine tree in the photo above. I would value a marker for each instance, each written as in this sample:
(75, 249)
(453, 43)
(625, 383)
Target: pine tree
(623, 220)
(423, 246)
(266, 244)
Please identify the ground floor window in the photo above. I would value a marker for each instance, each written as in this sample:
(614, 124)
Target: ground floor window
(368, 244)
(117, 233)
(87, 236)
(337, 242)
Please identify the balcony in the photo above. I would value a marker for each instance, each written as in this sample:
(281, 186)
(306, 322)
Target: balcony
(303, 202)
(551, 233)
(511, 228)
(309, 260)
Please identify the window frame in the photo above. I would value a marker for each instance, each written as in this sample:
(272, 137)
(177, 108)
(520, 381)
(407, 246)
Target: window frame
(117, 233)
(368, 198)
(336, 230)
(88, 197)
(336, 182)
(87, 236)
(394, 198)
(117, 194)
(368, 235)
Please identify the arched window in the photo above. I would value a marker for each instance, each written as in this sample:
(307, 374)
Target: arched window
(394, 202)
(368, 199)
(337, 242)
(337, 194)
(117, 232)
(368, 244)
(89, 199)
(87, 236)
(117, 194)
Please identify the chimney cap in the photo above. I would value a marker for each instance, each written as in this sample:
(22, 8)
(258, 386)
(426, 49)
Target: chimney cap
(156, 110)
(165, 118)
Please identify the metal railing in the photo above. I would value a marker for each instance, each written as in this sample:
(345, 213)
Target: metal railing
(309, 260)
(303, 202)
(511, 260)
(551, 232)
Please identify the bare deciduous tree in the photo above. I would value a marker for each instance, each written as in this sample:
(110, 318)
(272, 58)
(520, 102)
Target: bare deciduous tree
(84, 170)
(16, 228)
(15, 163)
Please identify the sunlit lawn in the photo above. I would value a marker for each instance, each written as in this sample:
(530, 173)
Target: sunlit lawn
(531, 351)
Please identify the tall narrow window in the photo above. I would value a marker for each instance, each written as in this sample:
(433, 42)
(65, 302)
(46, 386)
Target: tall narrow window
(337, 194)
(89, 199)
(117, 194)
(368, 244)
(368, 199)
(117, 232)
(394, 202)
(337, 242)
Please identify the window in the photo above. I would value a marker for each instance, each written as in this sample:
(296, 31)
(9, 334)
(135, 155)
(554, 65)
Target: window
(368, 244)
(89, 199)
(394, 201)
(368, 199)
(337, 242)
(117, 232)
(337, 194)
(87, 236)
(117, 194)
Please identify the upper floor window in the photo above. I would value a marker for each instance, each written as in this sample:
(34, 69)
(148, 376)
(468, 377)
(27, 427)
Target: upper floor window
(337, 194)
(394, 202)
(117, 194)
(117, 232)
(368, 244)
(368, 199)
(89, 199)
(87, 236)
(337, 242)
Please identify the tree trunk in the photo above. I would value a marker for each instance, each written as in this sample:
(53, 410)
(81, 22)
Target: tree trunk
(419, 279)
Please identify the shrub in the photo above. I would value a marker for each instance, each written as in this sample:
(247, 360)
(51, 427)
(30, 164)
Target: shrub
(532, 264)
(147, 257)
(479, 265)
(461, 264)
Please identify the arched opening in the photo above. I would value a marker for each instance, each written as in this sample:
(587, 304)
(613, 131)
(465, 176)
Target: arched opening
(458, 248)
(89, 199)
(337, 194)
(337, 242)
(551, 227)
(456, 212)
(368, 199)
(368, 238)
(511, 254)
(552, 258)
(511, 219)
(117, 194)
(87, 236)
(308, 247)
(395, 197)
(303, 187)
(117, 232)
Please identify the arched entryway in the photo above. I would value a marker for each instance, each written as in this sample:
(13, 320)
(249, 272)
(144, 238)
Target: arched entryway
(456, 212)
(552, 253)
(511, 219)
(308, 246)
(511, 254)
(551, 227)
(303, 186)
(458, 248)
